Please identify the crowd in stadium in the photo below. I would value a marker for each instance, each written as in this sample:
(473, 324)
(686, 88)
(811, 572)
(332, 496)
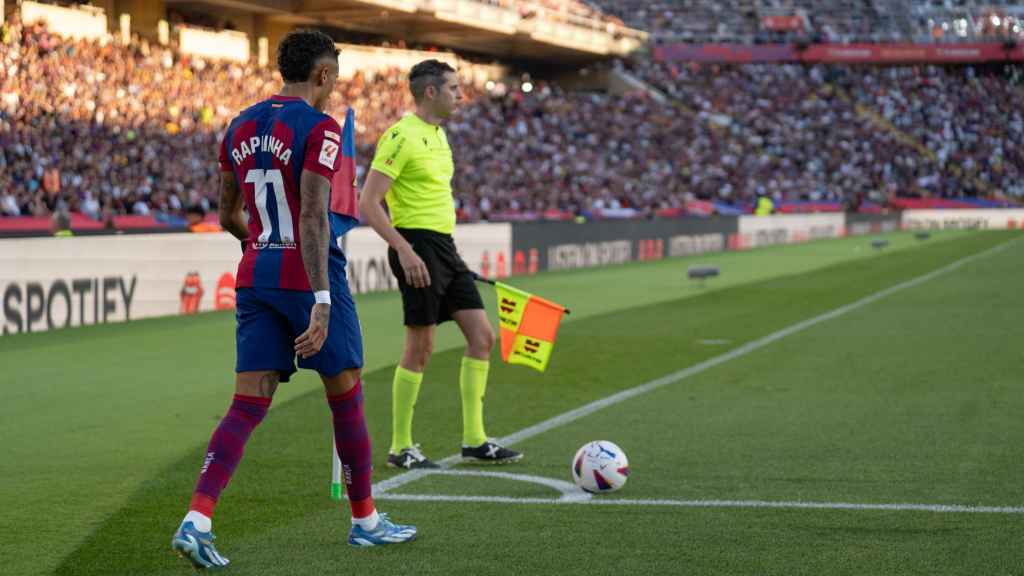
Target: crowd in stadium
(116, 129)
(109, 129)
(921, 130)
(695, 22)
(112, 129)
(553, 153)
(970, 121)
(839, 21)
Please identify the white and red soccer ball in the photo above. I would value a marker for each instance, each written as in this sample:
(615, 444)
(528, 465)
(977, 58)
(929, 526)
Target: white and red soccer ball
(600, 466)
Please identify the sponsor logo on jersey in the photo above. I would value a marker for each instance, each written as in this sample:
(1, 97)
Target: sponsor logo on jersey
(328, 153)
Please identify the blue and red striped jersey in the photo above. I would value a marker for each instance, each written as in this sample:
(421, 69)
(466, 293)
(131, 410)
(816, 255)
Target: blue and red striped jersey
(267, 147)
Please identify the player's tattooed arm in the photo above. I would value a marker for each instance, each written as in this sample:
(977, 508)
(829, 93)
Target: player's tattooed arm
(315, 232)
(314, 228)
(232, 218)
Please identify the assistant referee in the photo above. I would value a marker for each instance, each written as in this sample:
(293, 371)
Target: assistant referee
(412, 171)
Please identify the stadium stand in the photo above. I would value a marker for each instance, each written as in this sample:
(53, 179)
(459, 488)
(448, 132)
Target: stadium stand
(842, 21)
(124, 134)
(823, 131)
(111, 130)
(107, 130)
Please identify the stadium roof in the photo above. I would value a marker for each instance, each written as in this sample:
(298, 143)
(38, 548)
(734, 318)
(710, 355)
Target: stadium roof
(461, 24)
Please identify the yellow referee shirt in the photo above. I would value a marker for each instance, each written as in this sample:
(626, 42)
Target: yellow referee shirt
(764, 206)
(418, 159)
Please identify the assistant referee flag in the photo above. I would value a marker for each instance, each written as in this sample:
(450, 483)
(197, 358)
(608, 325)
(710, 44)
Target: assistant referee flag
(529, 325)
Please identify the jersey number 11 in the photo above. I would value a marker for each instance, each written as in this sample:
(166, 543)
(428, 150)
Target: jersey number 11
(262, 179)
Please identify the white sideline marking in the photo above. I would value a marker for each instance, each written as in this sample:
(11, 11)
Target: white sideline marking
(791, 505)
(394, 482)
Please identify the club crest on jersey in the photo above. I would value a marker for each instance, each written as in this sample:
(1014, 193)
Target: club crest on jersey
(328, 152)
(267, 143)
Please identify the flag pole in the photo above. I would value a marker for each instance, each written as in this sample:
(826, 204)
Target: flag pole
(480, 278)
(336, 490)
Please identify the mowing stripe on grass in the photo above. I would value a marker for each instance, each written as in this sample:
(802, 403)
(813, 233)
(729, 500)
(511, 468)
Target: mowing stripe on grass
(784, 505)
(395, 482)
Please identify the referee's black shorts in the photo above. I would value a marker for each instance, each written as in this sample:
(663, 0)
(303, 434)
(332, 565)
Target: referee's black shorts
(451, 282)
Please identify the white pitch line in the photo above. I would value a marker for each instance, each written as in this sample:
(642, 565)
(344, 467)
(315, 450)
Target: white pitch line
(784, 505)
(587, 409)
(568, 490)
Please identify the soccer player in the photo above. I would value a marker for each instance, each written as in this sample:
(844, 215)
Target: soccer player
(412, 171)
(278, 158)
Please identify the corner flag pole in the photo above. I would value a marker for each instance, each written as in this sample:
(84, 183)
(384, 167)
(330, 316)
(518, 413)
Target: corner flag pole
(480, 278)
(336, 490)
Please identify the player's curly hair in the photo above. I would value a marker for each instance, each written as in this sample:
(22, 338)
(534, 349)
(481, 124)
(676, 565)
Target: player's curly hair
(427, 73)
(299, 51)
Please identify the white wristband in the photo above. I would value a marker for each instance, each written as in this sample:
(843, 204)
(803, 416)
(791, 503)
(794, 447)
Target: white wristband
(322, 297)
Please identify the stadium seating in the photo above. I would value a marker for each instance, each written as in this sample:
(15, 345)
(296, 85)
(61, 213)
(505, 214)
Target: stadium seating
(108, 130)
(111, 130)
(844, 21)
(826, 131)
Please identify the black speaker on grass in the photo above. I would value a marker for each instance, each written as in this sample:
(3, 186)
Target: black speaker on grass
(702, 273)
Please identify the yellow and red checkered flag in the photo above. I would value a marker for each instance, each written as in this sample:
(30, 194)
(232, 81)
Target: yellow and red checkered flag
(529, 325)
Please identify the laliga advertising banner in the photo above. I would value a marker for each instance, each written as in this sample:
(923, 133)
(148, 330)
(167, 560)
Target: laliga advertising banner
(864, 224)
(757, 231)
(962, 219)
(48, 283)
(851, 53)
(484, 247)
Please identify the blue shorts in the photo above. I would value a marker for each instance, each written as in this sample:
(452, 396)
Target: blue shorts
(269, 321)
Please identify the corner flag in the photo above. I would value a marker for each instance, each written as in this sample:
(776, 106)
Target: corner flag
(343, 186)
(529, 325)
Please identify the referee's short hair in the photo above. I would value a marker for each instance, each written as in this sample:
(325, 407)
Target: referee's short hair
(427, 73)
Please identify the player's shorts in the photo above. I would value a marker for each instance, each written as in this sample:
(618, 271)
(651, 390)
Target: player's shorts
(269, 321)
(452, 287)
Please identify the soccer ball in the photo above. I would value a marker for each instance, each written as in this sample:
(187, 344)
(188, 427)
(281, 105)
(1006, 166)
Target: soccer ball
(600, 466)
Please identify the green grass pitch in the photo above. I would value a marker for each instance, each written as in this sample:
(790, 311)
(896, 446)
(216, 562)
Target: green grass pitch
(912, 398)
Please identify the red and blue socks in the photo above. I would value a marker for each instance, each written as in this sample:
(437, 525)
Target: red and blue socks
(223, 454)
(353, 444)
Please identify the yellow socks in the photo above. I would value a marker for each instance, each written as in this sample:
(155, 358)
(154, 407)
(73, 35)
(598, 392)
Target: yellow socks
(473, 384)
(404, 390)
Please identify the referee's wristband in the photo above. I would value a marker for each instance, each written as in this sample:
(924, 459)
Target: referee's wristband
(322, 297)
